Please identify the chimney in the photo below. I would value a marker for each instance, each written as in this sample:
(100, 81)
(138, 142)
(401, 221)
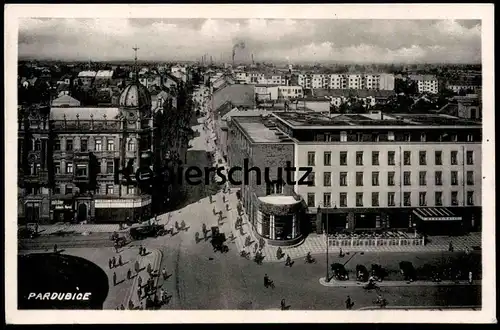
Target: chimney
(252, 60)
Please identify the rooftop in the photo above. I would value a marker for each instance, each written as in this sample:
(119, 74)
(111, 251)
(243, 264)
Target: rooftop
(260, 129)
(316, 120)
(104, 74)
(422, 77)
(360, 93)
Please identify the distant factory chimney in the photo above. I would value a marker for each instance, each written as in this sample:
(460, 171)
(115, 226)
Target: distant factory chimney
(252, 60)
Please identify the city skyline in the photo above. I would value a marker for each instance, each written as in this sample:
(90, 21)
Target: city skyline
(279, 40)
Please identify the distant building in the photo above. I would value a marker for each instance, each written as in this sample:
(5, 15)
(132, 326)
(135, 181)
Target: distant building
(104, 75)
(375, 81)
(65, 101)
(86, 77)
(426, 83)
(462, 86)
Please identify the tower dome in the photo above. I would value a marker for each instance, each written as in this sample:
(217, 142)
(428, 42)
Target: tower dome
(135, 95)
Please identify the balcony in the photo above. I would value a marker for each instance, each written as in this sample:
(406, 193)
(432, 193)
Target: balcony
(42, 177)
(81, 156)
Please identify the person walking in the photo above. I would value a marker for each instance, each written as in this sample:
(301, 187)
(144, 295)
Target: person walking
(164, 273)
(139, 282)
(283, 304)
(470, 277)
(137, 267)
(120, 262)
(129, 274)
(109, 263)
(139, 293)
(114, 278)
(288, 261)
(55, 248)
(348, 303)
(113, 260)
(450, 247)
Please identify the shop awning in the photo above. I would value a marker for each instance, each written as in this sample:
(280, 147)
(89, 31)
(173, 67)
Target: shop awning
(436, 214)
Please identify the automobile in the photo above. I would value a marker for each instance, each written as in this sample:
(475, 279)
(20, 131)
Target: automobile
(146, 231)
(378, 272)
(339, 272)
(26, 232)
(218, 240)
(407, 270)
(361, 273)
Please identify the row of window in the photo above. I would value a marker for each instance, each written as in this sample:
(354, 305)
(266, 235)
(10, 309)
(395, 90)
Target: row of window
(98, 145)
(438, 199)
(391, 158)
(390, 136)
(81, 169)
(422, 178)
(109, 189)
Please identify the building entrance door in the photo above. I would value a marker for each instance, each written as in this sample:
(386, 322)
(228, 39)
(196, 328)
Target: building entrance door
(82, 212)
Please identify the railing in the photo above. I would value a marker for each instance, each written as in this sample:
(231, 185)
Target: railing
(351, 242)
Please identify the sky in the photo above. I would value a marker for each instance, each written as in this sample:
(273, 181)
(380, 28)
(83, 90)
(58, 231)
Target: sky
(339, 40)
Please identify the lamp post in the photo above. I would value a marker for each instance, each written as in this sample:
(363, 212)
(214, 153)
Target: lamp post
(327, 278)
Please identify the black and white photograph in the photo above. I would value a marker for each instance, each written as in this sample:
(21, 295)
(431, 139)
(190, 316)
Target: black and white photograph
(193, 158)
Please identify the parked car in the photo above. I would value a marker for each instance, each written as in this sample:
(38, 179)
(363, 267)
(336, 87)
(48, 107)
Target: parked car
(339, 272)
(407, 270)
(378, 272)
(361, 273)
(143, 232)
(26, 232)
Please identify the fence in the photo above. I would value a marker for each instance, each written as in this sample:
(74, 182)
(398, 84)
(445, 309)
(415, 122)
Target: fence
(341, 242)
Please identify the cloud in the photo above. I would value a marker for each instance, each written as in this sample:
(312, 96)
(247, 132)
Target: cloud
(268, 39)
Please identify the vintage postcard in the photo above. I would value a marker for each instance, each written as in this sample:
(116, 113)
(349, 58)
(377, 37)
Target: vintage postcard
(249, 163)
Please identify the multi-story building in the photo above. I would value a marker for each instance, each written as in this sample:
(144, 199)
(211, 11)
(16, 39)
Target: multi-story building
(369, 171)
(86, 77)
(426, 83)
(304, 80)
(463, 86)
(74, 161)
(376, 81)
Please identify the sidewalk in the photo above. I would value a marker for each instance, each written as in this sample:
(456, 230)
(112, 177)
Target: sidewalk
(335, 283)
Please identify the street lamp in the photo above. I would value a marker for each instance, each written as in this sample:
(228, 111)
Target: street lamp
(327, 278)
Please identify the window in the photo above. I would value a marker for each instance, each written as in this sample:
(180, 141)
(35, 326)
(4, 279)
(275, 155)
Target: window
(407, 137)
(130, 190)
(423, 137)
(375, 158)
(69, 168)
(343, 179)
(81, 170)
(343, 199)
(69, 145)
(470, 138)
(438, 198)
(57, 168)
(327, 199)
(390, 178)
(110, 189)
(438, 176)
(327, 158)
(327, 179)
(454, 178)
(422, 198)
(131, 145)
(390, 199)
(279, 188)
(311, 202)
(375, 181)
(470, 198)
(438, 158)
(454, 158)
(359, 199)
(57, 145)
(375, 137)
(470, 158)
(407, 157)
(84, 145)
(391, 158)
(407, 178)
(311, 155)
(375, 199)
(110, 167)
(470, 178)
(422, 178)
(343, 158)
(407, 198)
(422, 155)
(359, 158)
(68, 190)
(98, 145)
(311, 179)
(38, 145)
(359, 179)
(343, 136)
(454, 198)
(454, 138)
(111, 145)
(57, 190)
(390, 136)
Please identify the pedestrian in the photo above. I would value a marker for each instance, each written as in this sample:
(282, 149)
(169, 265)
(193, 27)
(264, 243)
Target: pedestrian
(144, 251)
(348, 303)
(224, 197)
(129, 274)
(183, 224)
(288, 261)
(227, 207)
(137, 267)
(142, 305)
(109, 263)
(139, 281)
(341, 253)
(131, 305)
(120, 262)
(210, 198)
(164, 273)
(215, 213)
(149, 268)
(255, 248)
(162, 293)
(113, 260)
(122, 307)
(470, 277)
(266, 280)
(450, 247)
(55, 248)
(140, 250)
(139, 293)
(114, 278)
(283, 304)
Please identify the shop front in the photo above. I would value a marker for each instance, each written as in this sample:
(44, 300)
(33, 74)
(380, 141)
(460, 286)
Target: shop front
(438, 221)
(277, 219)
(118, 210)
(62, 210)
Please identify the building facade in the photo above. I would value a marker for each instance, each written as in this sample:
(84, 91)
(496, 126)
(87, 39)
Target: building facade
(371, 81)
(426, 83)
(79, 164)
(373, 171)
